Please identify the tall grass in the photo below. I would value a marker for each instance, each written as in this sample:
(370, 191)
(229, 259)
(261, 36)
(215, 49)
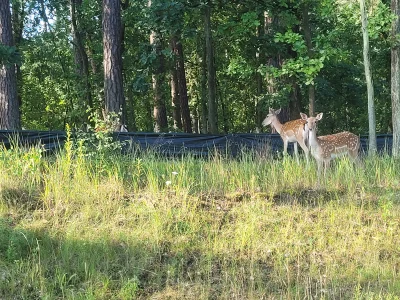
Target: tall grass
(111, 226)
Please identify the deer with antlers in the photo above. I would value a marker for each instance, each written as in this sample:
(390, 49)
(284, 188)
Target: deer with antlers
(291, 132)
(325, 148)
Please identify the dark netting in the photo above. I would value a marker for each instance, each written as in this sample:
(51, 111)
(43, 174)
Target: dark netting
(178, 143)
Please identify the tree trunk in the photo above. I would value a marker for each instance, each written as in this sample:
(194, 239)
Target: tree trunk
(307, 37)
(9, 107)
(18, 16)
(211, 76)
(203, 91)
(81, 57)
(98, 76)
(368, 77)
(294, 104)
(224, 115)
(158, 78)
(196, 120)
(395, 84)
(260, 57)
(176, 106)
(130, 111)
(180, 70)
(112, 43)
(270, 24)
(295, 95)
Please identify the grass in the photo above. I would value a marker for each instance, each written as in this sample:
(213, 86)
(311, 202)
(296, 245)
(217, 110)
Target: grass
(138, 226)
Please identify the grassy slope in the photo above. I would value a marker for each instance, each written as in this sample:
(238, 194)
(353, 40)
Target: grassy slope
(112, 227)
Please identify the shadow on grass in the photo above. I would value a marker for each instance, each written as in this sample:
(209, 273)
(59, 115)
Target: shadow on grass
(300, 196)
(20, 197)
(307, 197)
(35, 265)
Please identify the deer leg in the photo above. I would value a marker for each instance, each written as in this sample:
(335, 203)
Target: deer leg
(319, 163)
(296, 152)
(285, 144)
(355, 159)
(326, 166)
(305, 149)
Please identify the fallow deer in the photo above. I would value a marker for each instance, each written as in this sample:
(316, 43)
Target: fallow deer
(291, 132)
(325, 148)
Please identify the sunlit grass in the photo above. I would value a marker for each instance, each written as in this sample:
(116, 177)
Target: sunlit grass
(111, 226)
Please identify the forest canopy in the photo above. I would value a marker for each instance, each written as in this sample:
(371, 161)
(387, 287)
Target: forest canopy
(200, 66)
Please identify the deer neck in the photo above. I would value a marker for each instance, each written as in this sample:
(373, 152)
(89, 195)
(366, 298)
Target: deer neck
(277, 125)
(312, 139)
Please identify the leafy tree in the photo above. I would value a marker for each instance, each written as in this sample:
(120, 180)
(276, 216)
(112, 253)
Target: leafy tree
(264, 54)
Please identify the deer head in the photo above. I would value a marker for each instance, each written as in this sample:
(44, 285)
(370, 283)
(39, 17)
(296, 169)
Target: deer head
(271, 116)
(312, 121)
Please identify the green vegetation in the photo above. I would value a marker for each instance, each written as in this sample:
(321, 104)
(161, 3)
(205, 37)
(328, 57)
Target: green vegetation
(108, 226)
(261, 60)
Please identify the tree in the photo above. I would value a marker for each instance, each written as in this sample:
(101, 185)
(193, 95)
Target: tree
(112, 43)
(260, 58)
(395, 76)
(181, 77)
(307, 37)
(158, 78)
(211, 75)
(81, 57)
(368, 77)
(176, 105)
(17, 19)
(9, 106)
(203, 90)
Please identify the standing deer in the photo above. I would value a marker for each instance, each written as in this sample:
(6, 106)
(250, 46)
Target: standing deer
(325, 148)
(291, 132)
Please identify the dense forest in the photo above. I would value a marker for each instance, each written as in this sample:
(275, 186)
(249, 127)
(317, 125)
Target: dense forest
(198, 66)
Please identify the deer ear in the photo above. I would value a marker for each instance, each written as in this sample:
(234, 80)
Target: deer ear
(319, 116)
(277, 111)
(303, 116)
(271, 110)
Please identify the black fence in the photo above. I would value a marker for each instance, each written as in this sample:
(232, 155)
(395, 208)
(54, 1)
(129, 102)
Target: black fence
(178, 143)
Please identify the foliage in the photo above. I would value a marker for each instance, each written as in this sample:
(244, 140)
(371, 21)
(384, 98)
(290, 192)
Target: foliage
(99, 140)
(247, 37)
(9, 55)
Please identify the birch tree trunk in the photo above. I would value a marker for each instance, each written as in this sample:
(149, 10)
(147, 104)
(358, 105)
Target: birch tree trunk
(368, 76)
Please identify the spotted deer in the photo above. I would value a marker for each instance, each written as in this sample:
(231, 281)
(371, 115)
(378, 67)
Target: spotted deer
(291, 132)
(325, 148)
